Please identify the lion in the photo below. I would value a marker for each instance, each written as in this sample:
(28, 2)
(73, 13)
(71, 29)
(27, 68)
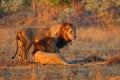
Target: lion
(49, 58)
(46, 39)
(60, 35)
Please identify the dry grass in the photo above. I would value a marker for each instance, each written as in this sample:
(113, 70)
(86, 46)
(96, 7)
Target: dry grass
(103, 42)
(99, 34)
(114, 59)
(112, 78)
(29, 21)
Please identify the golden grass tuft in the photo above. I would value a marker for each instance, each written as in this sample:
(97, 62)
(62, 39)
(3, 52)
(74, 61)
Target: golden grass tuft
(113, 78)
(98, 75)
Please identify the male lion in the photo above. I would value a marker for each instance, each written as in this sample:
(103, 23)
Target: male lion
(48, 39)
(60, 35)
(49, 58)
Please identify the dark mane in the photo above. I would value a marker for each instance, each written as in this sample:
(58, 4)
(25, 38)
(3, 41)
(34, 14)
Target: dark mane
(61, 42)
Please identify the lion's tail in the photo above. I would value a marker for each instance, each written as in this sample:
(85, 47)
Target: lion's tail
(17, 38)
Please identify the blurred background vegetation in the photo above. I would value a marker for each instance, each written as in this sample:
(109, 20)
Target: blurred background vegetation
(97, 34)
(99, 10)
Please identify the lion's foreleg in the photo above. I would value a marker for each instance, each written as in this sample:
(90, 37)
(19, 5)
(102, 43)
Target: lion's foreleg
(27, 41)
(24, 57)
(27, 45)
(26, 50)
(20, 55)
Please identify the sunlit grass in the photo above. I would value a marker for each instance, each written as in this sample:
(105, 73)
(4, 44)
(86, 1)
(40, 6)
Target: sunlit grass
(90, 40)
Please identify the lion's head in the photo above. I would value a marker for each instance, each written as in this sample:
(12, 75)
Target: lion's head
(63, 33)
(68, 32)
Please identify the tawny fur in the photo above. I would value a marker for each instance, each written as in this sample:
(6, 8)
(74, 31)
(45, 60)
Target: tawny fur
(49, 58)
(47, 40)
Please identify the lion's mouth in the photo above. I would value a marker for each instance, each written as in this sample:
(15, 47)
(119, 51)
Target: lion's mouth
(71, 39)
